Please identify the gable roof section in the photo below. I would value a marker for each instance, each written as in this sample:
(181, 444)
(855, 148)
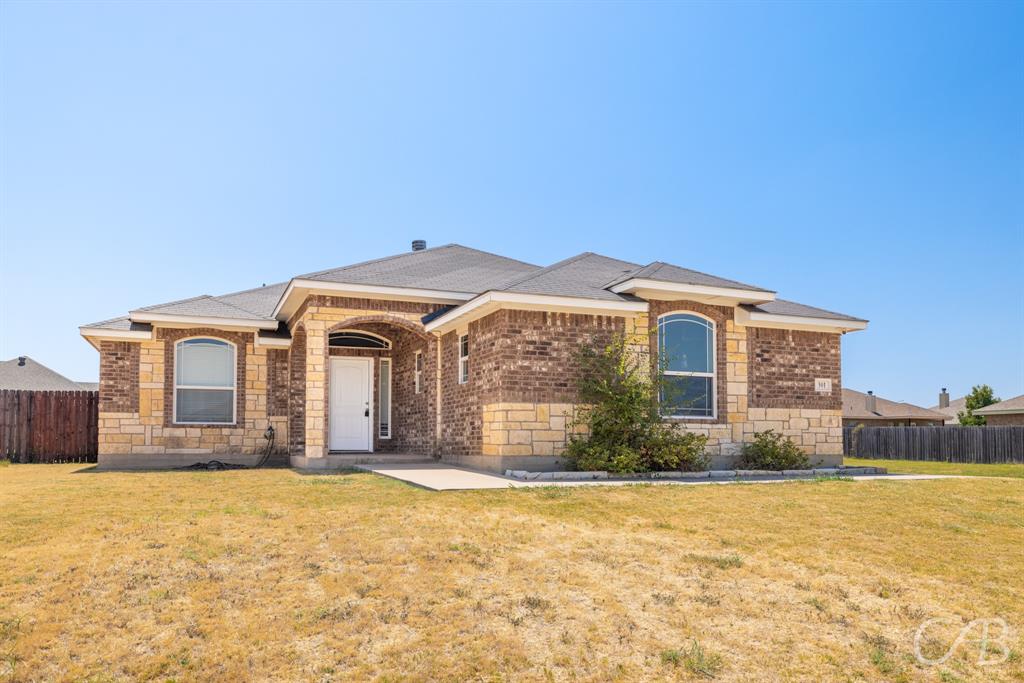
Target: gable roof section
(784, 307)
(33, 376)
(855, 407)
(451, 267)
(1010, 406)
(584, 275)
(951, 411)
(659, 271)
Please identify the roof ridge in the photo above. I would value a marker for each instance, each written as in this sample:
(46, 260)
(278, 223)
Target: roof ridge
(548, 269)
(171, 303)
(251, 289)
(409, 253)
(239, 308)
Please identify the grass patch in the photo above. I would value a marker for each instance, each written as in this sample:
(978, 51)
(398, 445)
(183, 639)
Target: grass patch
(181, 576)
(1012, 470)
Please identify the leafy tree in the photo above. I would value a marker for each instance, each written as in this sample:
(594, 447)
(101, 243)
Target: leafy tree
(981, 395)
(618, 427)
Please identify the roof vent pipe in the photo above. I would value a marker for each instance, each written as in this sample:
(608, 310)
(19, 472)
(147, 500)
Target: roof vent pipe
(419, 245)
(869, 402)
(21, 360)
(944, 398)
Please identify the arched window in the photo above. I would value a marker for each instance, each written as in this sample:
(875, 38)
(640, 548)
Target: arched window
(204, 381)
(350, 339)
(686, 358)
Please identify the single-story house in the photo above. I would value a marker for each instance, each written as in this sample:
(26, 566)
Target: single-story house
(458, 354)
(1008, 412)
(951, 409)
(874, 411)
(24, 374)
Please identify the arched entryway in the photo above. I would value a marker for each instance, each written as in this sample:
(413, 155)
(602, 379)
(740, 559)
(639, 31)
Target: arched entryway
(381, 386)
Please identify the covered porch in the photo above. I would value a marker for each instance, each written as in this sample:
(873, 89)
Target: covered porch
(362, 390)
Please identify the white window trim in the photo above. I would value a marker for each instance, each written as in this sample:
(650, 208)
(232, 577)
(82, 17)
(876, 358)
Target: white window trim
(678, 373)
(463, 366)
(391, 384)
(417, 371)
(233, 389)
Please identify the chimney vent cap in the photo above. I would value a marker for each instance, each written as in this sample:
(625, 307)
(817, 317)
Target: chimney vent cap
(21, 360)
(419, 245)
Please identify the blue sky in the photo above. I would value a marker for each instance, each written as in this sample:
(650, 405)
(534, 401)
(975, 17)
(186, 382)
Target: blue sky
(866, 158)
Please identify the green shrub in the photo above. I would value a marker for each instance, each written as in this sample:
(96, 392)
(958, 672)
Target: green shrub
(618, 428)
(772, 451)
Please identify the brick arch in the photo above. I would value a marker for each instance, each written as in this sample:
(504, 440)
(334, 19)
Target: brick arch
(297, 392)
(380, 318)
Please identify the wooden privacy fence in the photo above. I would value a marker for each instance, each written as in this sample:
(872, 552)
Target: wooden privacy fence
(49, 426)
(946, 444)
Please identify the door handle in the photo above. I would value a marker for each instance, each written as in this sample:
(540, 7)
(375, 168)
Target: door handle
(366, 413)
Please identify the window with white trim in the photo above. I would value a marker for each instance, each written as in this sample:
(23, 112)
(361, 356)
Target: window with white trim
(463, 359)
(384, 395)
(418, 371)
(204, 382)
(686, 358)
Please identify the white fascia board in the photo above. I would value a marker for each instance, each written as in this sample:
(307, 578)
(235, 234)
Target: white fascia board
(797, 322)
(303, 288)
(491, 301)
(653, 289)
(93, 335)
(172, 320)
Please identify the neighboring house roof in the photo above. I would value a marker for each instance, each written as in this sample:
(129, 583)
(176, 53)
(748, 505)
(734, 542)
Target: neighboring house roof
(449, 274)
(855, 408)
(953, 410)
(1010, 406)
(26, 374)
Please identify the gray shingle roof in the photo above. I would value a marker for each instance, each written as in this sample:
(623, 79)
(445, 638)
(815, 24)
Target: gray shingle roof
(35, 376)
(783, 307)
(456, 268)
(584, 275)
(1010, 405)
(452, 268)
(205, 306)
(122, 323)
(666, 272)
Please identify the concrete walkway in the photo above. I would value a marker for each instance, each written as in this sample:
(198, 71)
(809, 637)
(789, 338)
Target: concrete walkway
(442, 477)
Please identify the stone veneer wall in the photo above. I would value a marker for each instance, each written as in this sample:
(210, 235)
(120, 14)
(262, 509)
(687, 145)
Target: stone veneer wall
(149, 429)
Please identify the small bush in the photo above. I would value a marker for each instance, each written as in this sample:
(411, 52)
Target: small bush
(773, 451)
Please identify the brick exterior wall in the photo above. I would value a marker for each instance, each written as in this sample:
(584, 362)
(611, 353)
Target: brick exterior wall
(171, 336)
(1005, 420)
(785, 363)
(119, 377)
(278, 375)
(297, 392)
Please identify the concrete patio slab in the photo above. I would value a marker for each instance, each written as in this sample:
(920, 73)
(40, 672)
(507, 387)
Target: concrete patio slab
(444, 477)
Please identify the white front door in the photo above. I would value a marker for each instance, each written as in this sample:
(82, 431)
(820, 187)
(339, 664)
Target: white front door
(350, 400)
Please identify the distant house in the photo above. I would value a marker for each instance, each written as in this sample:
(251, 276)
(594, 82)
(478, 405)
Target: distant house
(874, 411)
(951, 409)
(26, 374)
(1008, 412)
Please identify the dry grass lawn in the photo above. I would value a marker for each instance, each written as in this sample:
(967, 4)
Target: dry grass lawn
(275, 576)
(953, 468)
